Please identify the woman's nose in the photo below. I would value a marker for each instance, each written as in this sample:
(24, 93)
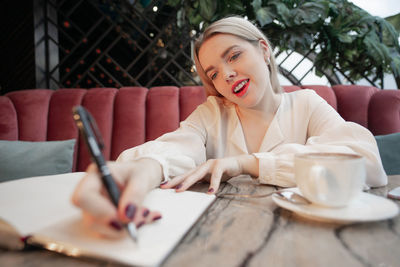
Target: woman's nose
(229, 75)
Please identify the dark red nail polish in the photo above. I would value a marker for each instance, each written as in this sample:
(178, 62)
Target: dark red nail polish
(139, 225)
(157, 218)
(178, 186)
(211, 190)
(145, 213)
(116, 225)
(25, 238)
(163, 183)
(130, 211)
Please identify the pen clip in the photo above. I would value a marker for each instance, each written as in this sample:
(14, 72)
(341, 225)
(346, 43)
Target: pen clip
(81, 115)
(95, 129)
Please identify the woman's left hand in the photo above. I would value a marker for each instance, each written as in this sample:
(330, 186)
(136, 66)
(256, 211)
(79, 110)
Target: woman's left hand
(217, 169)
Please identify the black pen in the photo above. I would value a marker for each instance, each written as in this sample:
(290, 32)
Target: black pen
(89, 131)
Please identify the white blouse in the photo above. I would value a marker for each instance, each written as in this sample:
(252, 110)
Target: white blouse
(304, 122)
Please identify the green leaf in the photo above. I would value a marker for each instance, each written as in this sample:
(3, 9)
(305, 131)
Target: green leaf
(318, 73)
(195, 20)
(237, 5)
(264, 16)
(300, 41)
(309, 13)
(364, 18)
(173, 2)
(345, 38)
(392, 36)
(376, 49)
(395, 65)
(321, 63)
(207, 8)
(333, 9)
(395, 21)
(256, 4)
(283, 12)
(350, 54)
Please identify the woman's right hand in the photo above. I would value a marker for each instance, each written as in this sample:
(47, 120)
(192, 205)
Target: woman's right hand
(135, 179)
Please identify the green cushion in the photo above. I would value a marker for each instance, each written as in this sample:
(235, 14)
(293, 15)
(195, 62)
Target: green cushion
(19, 159)
(389, 149)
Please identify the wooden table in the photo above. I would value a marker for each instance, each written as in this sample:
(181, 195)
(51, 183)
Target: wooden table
(255, 232)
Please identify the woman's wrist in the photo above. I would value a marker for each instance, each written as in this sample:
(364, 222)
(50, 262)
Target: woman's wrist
(151, 170)
(249, 165)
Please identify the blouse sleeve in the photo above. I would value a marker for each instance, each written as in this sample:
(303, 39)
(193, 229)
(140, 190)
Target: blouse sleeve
(177, 151)
(326, 132)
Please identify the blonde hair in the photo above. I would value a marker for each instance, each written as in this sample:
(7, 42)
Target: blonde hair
(243, 29)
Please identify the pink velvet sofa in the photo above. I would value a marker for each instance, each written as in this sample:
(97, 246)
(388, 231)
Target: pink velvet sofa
(130, 116)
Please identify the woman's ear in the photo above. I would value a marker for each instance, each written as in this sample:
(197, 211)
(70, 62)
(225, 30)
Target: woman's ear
(265, 49)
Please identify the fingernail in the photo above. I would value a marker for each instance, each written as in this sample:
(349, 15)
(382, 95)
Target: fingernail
(157, 218)
(25, 238)
(139, 224)
(130, 211)
(211, 190)
(146, 212)
(163, 183)
(178, 186)
(116, 225)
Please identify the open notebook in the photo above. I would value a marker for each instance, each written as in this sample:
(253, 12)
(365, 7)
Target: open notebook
(41, 207)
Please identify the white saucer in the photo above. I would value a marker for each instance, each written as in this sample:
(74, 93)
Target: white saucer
(365, 208)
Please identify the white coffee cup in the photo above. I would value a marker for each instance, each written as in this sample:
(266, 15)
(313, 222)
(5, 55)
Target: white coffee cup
(330, 179)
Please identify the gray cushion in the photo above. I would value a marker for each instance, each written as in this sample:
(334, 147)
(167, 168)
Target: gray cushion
(389, 149)
(19, 159)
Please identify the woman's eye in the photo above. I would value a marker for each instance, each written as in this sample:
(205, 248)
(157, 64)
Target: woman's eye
(234, 56)
(213, 76)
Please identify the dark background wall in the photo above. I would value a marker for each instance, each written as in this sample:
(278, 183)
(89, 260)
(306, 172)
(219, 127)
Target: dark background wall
(17, 65)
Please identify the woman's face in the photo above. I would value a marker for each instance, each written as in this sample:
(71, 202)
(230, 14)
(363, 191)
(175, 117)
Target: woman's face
(237, 68)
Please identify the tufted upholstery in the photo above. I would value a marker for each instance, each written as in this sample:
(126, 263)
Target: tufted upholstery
(384, 112)
(130, 116)
(351, 101)
(126, 117)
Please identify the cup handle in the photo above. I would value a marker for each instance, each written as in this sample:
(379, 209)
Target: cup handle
(318, 177)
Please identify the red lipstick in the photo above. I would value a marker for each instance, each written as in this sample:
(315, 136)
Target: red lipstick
(240, 87)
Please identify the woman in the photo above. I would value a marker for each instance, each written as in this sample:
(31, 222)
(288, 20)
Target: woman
(246, 126)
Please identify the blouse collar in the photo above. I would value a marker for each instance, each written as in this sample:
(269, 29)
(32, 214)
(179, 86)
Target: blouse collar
(272, 138)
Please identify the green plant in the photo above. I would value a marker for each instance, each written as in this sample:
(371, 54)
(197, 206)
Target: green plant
(344, 36)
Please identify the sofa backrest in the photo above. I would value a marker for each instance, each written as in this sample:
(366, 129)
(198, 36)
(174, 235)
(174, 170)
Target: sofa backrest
(130, 116)
(126, 117)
